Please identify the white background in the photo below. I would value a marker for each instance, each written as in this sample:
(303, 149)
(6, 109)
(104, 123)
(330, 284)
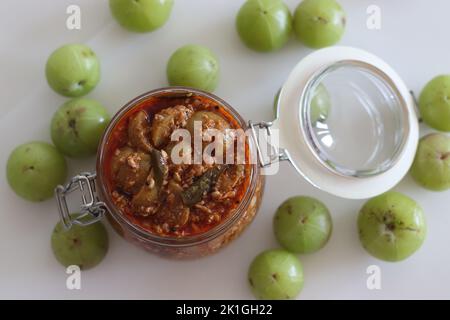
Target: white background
(413, 39)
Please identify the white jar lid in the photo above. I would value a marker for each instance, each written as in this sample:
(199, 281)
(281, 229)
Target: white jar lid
(365, 143)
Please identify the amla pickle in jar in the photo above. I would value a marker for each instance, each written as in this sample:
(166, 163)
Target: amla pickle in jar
(179, 195)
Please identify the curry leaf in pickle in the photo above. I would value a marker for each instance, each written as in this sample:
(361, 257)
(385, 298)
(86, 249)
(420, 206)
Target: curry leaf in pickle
(195, 192)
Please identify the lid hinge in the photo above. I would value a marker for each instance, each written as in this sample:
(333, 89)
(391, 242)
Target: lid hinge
(268, 152)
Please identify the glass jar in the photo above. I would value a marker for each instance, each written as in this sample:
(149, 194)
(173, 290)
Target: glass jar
(101, 202)
(360, 147)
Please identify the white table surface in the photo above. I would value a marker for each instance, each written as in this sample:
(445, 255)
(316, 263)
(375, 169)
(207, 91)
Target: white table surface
(413, 39)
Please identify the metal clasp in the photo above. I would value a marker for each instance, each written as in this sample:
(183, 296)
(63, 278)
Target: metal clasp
(91, 210)
(271, 153)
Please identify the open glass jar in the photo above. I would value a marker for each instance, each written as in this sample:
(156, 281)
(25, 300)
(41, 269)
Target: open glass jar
(361, 146)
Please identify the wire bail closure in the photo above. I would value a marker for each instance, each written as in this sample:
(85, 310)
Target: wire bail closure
(91, 209)
(268, 153)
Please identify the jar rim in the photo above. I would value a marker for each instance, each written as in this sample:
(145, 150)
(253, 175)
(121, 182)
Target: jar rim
(136, 229)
